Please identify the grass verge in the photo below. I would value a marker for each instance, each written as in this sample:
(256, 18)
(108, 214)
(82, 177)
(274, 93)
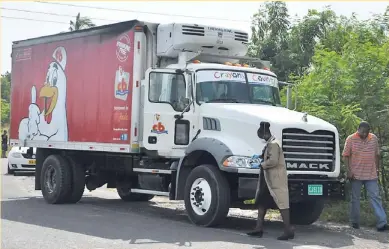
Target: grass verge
(339, 212)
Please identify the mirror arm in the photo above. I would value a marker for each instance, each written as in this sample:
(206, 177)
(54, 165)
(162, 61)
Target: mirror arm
(180, 116)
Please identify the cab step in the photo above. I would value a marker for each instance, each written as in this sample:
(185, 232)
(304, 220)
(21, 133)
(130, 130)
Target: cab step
(153, 171)
(151, 192)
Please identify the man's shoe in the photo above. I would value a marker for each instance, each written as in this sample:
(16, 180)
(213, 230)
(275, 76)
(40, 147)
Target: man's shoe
(383, 228)
(255, 234)
(355, 225)
(287, 235)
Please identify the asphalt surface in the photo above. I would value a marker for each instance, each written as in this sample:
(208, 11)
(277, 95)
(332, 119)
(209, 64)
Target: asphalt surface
(102, 220)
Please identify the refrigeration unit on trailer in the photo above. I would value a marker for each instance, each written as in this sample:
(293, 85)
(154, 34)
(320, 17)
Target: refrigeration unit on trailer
(163, 109)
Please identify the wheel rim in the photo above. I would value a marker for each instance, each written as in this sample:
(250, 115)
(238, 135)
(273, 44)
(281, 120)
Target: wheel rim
(200, 196)
(50, 179)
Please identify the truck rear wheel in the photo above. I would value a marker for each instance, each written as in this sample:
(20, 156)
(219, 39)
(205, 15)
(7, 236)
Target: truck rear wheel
(56, 179)
(126, 195)
(207, 196)
(306, 212)
(78, 182)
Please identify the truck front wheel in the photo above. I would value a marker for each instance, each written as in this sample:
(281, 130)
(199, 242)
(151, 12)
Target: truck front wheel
(207, 196)
(306, 212)
(56, 179)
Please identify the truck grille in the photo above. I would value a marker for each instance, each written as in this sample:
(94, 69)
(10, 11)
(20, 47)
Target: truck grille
(308, 151)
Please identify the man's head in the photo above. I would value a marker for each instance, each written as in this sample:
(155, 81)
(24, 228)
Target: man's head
(4, 132)
(264, 131)
(363, 129)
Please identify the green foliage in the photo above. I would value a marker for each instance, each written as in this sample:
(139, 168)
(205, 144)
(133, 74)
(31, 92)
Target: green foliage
(4, 112)
(5, 97)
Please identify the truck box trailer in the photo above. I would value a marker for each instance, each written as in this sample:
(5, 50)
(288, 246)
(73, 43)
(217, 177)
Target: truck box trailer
(163, 109)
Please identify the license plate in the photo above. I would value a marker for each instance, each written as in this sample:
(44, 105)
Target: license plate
(32, 162)
(315, 189)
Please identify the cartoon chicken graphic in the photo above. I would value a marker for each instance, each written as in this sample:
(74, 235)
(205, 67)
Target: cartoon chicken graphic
(48, 122)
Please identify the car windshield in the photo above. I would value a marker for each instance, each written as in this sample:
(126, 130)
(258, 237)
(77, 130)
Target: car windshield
(236, 87)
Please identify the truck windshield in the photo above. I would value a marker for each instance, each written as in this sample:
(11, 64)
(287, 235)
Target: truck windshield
(236, 87)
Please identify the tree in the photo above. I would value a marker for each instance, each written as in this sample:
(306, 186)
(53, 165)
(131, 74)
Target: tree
(6, 86)
(81, 23)
(5, 97)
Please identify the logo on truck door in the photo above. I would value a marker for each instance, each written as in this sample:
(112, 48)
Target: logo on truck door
(48, 121)
(158, 127)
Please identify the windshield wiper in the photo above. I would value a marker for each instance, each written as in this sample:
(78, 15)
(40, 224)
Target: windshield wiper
(224, 100)
(266, 101)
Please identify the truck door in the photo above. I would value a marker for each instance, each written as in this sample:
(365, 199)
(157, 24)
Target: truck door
(166, 96)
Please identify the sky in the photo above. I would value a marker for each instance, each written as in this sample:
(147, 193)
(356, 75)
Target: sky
(223, 14)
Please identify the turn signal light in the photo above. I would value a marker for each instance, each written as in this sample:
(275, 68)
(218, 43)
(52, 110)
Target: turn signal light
(196, 61)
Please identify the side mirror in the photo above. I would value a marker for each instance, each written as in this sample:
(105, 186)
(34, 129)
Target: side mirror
(289, 93)
(289, 96)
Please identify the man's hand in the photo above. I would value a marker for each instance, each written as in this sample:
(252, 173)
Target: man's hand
(350, 175)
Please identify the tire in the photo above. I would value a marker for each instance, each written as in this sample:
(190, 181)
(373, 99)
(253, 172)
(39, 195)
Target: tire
(9, 170)
(207, 181)
(306, 212)
(55, 167)
(78, 182)
(126, 195)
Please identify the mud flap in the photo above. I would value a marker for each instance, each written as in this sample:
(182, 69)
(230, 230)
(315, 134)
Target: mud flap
(40, 157)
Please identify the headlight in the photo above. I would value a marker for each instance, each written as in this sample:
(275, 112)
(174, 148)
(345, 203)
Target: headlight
(241, 162)
(16, 155)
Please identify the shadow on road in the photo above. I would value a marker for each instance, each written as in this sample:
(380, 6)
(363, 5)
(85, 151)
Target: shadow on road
(24, 173)
(137, 222)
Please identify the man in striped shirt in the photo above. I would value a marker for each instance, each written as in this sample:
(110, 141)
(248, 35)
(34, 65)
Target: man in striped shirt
(361, 155)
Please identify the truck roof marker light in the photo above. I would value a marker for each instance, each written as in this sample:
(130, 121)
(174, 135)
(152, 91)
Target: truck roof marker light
(196, 61)
(237, 65)
(138, 28)
(266, 68)
(228, 63)
(246, 65)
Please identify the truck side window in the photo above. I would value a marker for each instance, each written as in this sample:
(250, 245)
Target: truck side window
(168, 88)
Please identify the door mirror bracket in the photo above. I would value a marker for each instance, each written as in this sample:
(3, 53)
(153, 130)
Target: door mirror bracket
(181, 115)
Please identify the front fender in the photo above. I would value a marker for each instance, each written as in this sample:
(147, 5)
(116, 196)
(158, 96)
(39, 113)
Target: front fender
(218, 149)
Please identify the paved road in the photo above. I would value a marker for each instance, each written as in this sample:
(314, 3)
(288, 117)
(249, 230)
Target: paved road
(102, 220)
